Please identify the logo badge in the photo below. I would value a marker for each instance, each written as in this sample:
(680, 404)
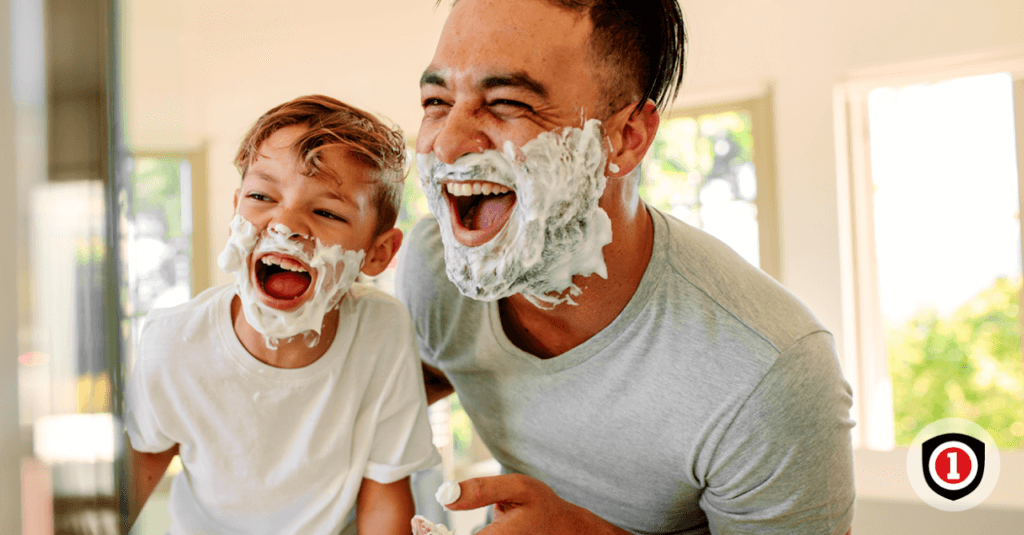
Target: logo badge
(953, 464)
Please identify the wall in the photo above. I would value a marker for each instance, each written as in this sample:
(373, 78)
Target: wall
(10, 433)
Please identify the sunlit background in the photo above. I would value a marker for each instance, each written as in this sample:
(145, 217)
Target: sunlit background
(856, 152)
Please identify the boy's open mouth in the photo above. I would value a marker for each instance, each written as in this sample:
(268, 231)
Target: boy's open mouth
(281, 277)
(478, 209)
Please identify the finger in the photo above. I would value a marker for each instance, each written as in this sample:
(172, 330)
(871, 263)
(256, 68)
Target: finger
(483, 491)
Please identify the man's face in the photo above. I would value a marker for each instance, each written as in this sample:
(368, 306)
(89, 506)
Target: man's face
(510, 169)
(504, 71)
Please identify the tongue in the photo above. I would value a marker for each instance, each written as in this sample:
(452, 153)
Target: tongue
(490, 210)
(286, 285)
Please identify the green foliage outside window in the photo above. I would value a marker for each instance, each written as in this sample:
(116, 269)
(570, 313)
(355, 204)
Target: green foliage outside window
(967, 365)
(688, 153)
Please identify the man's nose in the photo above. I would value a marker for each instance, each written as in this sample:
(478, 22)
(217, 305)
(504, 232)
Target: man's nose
(460, 134)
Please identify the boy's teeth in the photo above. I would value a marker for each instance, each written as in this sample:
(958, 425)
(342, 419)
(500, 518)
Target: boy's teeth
(285, 263)
(465, 189)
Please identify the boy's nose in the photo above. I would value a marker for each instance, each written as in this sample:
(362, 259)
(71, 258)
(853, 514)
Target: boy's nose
(296, 223)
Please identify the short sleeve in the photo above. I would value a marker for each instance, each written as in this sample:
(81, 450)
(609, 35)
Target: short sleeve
(403, 441)
(141, 414)
(785, 463)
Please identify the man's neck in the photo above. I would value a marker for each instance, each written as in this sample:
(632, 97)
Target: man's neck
(549, 333)
(291, 353)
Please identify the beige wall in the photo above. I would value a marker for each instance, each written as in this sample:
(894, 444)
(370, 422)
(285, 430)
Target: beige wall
(10, 432)
(200, 73)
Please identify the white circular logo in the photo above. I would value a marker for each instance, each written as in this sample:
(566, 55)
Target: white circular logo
(953, 464)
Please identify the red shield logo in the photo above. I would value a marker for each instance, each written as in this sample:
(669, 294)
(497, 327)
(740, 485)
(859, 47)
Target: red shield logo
(953, 464)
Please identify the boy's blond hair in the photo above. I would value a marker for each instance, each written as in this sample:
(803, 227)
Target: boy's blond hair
(331, 122)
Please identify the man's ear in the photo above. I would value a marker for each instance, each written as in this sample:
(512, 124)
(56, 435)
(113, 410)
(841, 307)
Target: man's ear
(631, 132)
(383, 249)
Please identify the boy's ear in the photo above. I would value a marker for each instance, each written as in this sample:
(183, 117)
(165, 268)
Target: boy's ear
(631, 133)
(383, 249)
(237, 193)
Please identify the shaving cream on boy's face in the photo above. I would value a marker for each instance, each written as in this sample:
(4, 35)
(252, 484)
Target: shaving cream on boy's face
(545, 194)
(286, 288)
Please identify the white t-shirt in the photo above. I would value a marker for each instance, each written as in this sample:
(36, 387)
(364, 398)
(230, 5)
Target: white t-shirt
(270, 450)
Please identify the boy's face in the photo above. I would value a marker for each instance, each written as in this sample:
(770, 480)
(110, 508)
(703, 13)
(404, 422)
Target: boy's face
(336, 209)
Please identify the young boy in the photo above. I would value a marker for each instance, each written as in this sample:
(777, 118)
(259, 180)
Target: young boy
(291, 396)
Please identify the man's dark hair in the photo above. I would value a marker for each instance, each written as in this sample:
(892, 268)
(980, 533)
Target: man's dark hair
(642, 43)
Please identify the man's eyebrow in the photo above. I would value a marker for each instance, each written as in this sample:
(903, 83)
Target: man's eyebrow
(515, 79)
(432, 77)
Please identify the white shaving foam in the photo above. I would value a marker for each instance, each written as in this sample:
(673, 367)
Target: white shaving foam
(422, 526)
(557, 229)
(448, 493)
(334, 271)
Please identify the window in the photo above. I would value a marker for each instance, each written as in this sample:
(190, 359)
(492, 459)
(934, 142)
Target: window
(928, 160)
(157, 232)
(712, 168)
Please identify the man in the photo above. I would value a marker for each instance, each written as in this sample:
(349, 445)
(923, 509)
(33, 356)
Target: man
(631, 373)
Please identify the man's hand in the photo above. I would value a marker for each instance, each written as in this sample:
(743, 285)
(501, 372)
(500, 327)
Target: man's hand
(524, 505)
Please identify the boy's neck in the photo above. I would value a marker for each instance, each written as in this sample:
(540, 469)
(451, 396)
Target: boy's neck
(293, 353)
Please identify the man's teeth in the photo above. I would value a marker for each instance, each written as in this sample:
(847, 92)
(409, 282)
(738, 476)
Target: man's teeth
(285, 263)
(465, 189)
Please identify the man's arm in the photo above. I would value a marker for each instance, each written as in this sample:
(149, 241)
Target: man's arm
(384, 508)
(147, 470)
(437, 385)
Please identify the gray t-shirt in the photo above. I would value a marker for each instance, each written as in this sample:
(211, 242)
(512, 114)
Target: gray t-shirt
(713, 403)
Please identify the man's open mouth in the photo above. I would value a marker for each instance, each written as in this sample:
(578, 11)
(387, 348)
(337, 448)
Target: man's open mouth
(281, 277)
(478, 209)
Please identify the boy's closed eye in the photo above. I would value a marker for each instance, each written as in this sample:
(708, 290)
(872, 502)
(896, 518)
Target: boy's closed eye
(255, 195)
(330, 215)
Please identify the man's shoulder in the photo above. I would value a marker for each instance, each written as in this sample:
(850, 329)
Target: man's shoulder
(700, 261)
(421, 278)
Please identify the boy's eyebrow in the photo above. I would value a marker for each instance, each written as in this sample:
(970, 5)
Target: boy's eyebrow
(255, 173)
(332, 194)
(517, 79)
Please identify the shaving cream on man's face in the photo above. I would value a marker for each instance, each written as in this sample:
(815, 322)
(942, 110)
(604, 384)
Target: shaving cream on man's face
(545, 198)
(285, 288)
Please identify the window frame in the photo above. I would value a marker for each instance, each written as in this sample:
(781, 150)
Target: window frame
(880, 466)
(202, 273)
(758, 103)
